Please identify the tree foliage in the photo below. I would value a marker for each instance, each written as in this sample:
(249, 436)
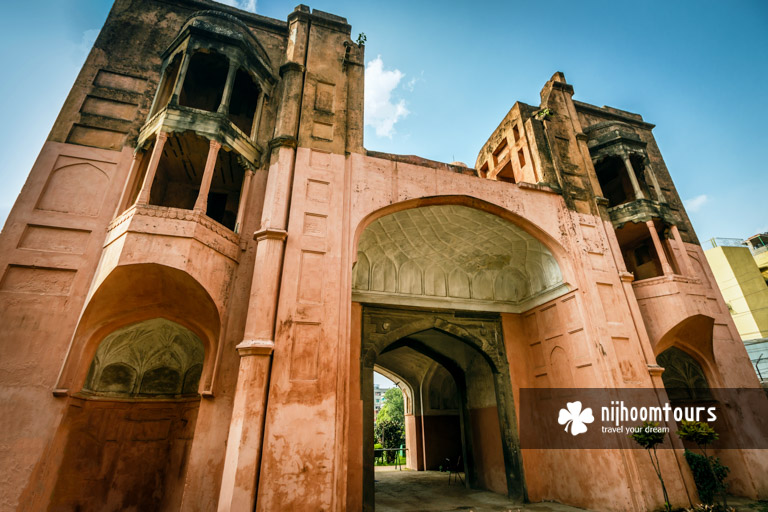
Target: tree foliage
(393, 408)
(390, 422)
(699, 433)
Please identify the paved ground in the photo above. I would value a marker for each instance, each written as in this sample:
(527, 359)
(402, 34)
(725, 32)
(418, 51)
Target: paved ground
(428, 491)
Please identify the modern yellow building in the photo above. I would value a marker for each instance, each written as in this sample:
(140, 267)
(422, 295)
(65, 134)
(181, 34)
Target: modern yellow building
(758, 244)
(738, 274)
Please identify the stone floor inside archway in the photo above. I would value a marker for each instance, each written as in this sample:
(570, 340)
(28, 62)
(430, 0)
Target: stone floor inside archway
(428, 491)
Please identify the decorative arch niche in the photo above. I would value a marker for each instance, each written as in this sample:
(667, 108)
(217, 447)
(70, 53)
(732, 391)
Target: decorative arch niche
(155, 357)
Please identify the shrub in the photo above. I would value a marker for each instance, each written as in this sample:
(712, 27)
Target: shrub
(391, 435)
(709, 476)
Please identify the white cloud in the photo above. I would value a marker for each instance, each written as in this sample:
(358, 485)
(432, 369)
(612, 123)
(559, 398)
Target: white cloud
(381, 110)
(246, 5)
(411, 84)
(695, 204)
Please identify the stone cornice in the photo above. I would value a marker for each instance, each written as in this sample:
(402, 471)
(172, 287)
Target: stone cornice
(255, 348)
(270, 234)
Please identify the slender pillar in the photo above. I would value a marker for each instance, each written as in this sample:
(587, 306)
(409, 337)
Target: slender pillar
(149, 178)
(633, 177)
(665, 266)
(201, 205)
(180, 80)
(257, 117)
(163, 82)
(243, 199)
(131, 183)
(656, 187)
(686, 259)
(227, 94)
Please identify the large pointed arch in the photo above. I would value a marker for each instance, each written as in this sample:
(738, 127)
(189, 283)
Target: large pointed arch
(494, 260)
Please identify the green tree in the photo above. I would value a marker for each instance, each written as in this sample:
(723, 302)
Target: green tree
(393, 408)
(702, 435)
(391, 435)
(649, 438)
(390, 422)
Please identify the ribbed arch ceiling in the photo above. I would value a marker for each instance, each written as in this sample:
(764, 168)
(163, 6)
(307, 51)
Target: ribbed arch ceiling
(450, 254)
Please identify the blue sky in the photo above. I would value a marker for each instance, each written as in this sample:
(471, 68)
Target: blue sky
(441, 76)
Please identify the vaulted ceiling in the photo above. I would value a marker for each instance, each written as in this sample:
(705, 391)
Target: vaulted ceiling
(450, 254)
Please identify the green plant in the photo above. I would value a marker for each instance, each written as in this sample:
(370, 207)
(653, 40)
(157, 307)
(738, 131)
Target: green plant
(544, 113)
(760, 506)
(391, 435)
(708, 473)
(361, 39)
(699, 433)
(649, 437)
(703, 471)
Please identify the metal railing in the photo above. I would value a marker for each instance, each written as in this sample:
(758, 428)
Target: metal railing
(726, 242)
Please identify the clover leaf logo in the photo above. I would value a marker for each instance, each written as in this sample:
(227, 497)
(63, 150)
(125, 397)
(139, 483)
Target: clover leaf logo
(576, 418)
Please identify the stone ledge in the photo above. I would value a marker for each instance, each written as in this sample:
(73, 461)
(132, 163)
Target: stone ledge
(228, 243)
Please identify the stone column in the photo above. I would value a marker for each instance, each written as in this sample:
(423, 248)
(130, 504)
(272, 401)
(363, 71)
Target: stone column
(655, 182)
(238, 482)
(257, 117)
(201, 205)
(243, 199)
(149, 178)
(632, 177)
(665, 266)
(242, 464)
(131, 182)
(686, 260)
(227, 94)
(180, 80)
(243, 458)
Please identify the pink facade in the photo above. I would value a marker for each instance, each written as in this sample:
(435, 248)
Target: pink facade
(195, 292)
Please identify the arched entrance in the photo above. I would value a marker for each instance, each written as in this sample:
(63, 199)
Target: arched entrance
(433, 282)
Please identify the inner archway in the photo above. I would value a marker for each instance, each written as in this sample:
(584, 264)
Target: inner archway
(463, 416)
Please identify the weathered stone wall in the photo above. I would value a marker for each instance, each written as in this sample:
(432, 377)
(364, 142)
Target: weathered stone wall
(280, 418)
(590, 115)
(111, 97)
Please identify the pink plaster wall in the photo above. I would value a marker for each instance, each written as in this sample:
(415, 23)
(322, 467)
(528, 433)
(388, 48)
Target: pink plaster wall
(602, 333)
(49, 250)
